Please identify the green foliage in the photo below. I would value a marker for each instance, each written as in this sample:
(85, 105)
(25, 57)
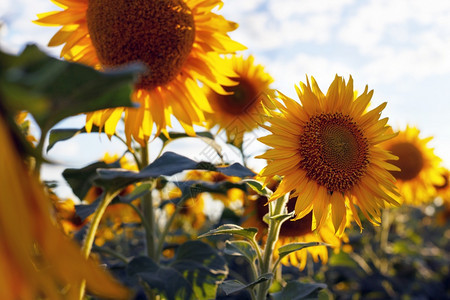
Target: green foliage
(295, 290)
(241, 248)
(248, 233)
(62, 134)
(51, 89)
(259, 187)
(80, 180)
(292, 247)
(233, 286)
(167, 164)
(195, 272)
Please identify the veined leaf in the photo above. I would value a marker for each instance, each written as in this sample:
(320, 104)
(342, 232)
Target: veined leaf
(248, 233)
(233, 286)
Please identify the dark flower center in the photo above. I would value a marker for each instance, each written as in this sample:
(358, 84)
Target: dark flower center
(410, 161)
(159, 33)
(334, 151)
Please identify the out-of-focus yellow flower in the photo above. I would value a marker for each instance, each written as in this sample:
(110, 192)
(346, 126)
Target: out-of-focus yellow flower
(67, 217)
(443, 191)
(191, 217)
(327, 151)
(179, 40)
(24, 124)
(36, 259)
(241, 111)
(420, 169)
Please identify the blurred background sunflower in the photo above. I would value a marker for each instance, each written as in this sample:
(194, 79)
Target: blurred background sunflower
(420, 171)
(241, 110)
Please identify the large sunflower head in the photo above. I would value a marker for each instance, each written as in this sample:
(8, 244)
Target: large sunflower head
(327, 150)
(420, 170)
(241, 110)
(178, 40)
(294, 231)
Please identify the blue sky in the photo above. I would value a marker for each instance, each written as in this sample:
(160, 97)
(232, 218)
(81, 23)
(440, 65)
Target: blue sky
(399, 48)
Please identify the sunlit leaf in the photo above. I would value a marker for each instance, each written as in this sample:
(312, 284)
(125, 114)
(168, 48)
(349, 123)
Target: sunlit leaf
(240, 248)
(233, 286)
(292, 247)
(258, 187)
(248, 233)
(283, 217)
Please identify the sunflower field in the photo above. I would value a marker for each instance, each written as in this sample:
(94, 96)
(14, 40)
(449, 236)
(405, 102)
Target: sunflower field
(345, 206)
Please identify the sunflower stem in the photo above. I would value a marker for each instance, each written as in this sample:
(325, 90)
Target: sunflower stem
(275, 208)
(90, 235)
(147, 210)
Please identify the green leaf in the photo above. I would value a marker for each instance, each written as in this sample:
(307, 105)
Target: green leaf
(236, 170)
(248, 233)
(258, 187)
(295, 290)
(289, 248)
(178, 135)
(165, 280)
(62, 134)
(283, 217)
(52, 89)
(240, 248)
(202, 267)
(80, 180)
(168, 164)
(137, 192)
(233, 286)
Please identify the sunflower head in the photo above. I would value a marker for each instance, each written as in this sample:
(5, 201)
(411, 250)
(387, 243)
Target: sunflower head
(178, 40)
(240, 110)
(327, 150)
(419, 168)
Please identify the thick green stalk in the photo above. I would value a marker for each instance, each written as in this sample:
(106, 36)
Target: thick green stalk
(275, 208)
(148, 212)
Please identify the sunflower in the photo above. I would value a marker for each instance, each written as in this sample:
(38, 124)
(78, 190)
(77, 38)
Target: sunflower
(178, 40)
(294, 231)
(241, 110)
(328, 154)
(420, 167)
